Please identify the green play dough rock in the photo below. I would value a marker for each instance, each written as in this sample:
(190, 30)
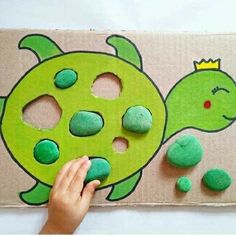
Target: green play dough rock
(185, 152)
(184, 184)
(99, 169)
(85, 123)
(137, 119)
(65, 78)
(46, 151)
(217, 179)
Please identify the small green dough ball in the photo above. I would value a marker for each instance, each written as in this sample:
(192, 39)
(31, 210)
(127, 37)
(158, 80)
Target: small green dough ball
(184, 184)
(85, 123)
(46, 151)
(137, 119)
(65, 78)
(217, 179)
(185, 152)
(99, 169)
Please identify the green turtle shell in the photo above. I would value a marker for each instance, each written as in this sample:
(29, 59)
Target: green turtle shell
(137, 90)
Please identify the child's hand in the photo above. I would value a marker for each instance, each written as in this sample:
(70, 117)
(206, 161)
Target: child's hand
(69, 202)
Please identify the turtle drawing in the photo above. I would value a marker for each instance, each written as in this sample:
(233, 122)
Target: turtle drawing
(204, 100)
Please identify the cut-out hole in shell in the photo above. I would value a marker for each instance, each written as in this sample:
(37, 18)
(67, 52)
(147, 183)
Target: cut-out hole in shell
(107, 85)
(120, 144)
(43, 112)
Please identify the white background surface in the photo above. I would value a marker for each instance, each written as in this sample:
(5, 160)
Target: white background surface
(164, 15)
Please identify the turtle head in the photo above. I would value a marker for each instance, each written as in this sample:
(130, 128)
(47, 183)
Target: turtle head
(204, 100)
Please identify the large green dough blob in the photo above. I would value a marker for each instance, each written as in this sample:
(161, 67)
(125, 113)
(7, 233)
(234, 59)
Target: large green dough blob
(217, 179)
(46, 151)
(137, 119)
(99, 169)
(65, 78)
(185, 152)
(184, 184)
(85, 123)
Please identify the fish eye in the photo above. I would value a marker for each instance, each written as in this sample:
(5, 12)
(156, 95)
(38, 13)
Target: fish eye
(219, 89)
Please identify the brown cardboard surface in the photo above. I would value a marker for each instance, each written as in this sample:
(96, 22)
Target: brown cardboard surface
(166, 59)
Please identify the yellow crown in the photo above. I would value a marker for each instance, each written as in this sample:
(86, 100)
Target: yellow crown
(207, 65)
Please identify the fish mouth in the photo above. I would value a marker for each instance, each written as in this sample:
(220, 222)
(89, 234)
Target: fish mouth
(229, 118)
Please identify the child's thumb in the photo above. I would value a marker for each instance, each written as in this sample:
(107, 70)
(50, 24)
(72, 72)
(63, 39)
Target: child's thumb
(88, 193)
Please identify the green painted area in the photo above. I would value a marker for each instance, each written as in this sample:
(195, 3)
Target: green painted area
(137, 119)
(42, 46)
(85, 123)
(184, 184)
(124, 188)
(185, 102)
(37, 195)
(46, 152)
(65, 78)
(100, 170)
(185, 152)
(217, 179)
(2, 101)
(125, 49)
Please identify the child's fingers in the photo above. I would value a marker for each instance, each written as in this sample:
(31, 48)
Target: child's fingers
(76, 185)
(62, 173)
(68, 177)
(87, 194)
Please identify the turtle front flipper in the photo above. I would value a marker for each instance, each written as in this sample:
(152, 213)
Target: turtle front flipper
(125, 49)
(124, 188)
(37, 195)
(42, 46)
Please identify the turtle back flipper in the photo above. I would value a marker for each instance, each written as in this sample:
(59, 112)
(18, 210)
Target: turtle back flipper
(2, 102)
(125, 49)
(124, 188)
(37, 195)
(42, 46)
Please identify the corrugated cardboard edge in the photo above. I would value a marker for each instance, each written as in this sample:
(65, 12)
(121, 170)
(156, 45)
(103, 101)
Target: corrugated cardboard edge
(193, 204)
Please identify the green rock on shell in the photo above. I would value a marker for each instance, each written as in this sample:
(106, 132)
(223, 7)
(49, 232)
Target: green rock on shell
(185, 152)
(184, 184)
(65, 78)
(99, 169)
(217, 179)
(137, 119)
(46, 151)
(85, 123)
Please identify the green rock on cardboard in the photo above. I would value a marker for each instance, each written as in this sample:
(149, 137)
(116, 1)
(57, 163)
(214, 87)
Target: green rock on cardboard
(184, 184)
(217, 179)
(185, 152)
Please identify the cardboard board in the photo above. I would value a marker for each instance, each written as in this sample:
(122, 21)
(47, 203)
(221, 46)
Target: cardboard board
(150, 68)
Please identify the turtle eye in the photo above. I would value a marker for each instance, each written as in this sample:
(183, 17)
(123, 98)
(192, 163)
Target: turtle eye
(219, 89)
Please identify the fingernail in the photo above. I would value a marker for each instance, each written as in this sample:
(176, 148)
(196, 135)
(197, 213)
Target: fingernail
(87, 163)
(83, 158)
